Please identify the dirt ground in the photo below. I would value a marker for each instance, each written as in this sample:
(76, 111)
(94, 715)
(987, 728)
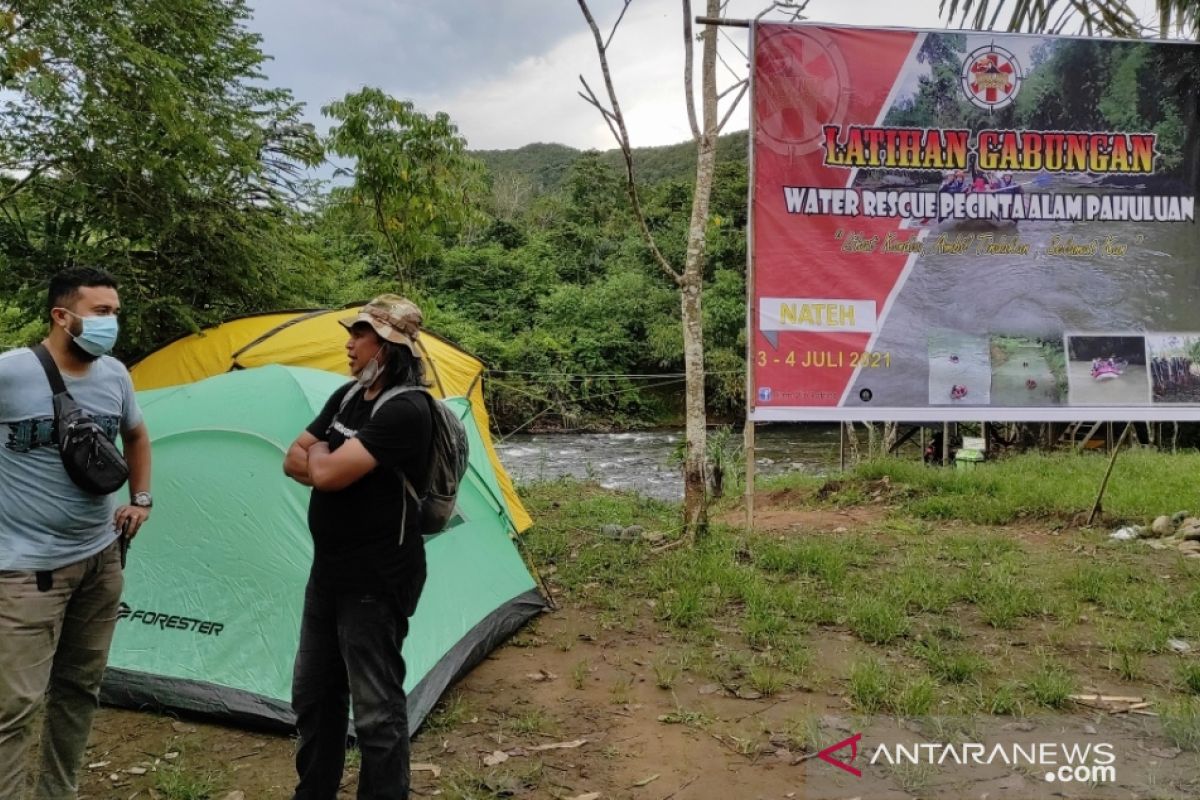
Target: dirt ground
(574, 706)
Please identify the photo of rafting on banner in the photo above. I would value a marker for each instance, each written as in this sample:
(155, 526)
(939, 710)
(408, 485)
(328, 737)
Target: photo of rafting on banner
(959, 369)
(1028, 371)
(979, 182)
(1107, 370)
(1174, 366)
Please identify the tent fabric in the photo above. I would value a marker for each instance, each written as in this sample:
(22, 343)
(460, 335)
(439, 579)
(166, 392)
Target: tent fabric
(210, 618)
(314, 339)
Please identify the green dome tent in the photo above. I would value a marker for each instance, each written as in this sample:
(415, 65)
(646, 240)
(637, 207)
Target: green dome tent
(214, 585)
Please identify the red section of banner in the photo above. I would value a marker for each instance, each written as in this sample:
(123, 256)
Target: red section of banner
(805, 78)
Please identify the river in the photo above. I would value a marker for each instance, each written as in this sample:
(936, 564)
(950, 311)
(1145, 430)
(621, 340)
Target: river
(647, 462)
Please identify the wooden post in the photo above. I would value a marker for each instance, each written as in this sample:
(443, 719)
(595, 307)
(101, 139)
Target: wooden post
(945, 444)
(1104, 483)
(748, 451)
(841, 447)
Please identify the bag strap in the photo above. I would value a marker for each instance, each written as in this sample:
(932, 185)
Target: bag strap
(51, 369)
(383, 398)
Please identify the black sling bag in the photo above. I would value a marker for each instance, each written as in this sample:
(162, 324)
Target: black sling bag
(91, 459)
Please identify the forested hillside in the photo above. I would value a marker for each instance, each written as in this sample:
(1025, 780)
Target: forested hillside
(545, 165)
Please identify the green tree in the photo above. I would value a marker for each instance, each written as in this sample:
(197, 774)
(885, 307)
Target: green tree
(140, 137)
(412, 176)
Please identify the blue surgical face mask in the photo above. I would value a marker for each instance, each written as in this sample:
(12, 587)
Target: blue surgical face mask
(99, 334)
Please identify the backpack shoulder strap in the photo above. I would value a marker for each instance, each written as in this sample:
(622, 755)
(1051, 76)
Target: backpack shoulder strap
(388, 395)
(353, 390)
(393, 392)
(51, 369)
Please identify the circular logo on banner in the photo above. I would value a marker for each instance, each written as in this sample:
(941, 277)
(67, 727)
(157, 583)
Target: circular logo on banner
(803, 83)
(991, 77)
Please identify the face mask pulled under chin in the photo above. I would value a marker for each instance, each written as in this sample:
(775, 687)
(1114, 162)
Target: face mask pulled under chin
(99, 334)
(371, 372)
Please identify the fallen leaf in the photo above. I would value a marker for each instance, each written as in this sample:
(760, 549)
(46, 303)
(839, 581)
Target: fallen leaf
(136, 770)
(646, 781)
(497, 757)
(588, 796)
(99, 764)
(434, 768)
(560, 745)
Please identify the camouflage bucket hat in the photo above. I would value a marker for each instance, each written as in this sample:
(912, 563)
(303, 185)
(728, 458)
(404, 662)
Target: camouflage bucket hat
(394, 318)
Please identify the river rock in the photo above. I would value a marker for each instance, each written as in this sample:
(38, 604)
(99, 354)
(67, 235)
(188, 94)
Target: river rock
(612, 531)
(1178, 517)
(1189, 547)
(1162, 526)
(634, 532)
(1190, 529)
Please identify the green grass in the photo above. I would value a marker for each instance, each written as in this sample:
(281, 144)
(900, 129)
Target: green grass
(917, 697)
(766, 680)
(802, 734)
(877, 620)
(1004, 600)
(453, 710)
(1144, 484)
(1187, 673)
(951, 664)
(870, 685)
(1004, 700)
(1181, 723)
(666, 673)
(1050, 685)
(918, 592)
(579, 673)
(534, 722)
(178, 782)
(690, 717)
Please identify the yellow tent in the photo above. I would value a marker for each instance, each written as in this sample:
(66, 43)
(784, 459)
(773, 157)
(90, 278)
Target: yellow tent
(314, 339)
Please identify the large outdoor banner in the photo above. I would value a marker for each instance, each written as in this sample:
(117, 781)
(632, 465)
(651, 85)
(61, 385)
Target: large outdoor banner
(958, 225)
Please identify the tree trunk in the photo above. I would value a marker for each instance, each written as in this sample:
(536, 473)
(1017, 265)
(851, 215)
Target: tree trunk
(890, 432)
(691, 284)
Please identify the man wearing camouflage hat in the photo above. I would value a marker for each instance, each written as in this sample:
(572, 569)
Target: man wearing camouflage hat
(368, 557)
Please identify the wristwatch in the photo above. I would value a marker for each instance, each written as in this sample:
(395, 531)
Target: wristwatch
(142, 500)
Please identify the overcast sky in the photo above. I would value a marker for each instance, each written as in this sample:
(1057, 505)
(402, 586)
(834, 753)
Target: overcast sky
(507, 71)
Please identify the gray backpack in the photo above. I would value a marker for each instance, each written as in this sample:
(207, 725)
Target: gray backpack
(448, 454)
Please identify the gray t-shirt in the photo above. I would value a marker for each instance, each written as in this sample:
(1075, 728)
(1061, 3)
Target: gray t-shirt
(46, 521)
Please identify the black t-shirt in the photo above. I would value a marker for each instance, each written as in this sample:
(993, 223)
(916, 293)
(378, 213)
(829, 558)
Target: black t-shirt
(356, 531)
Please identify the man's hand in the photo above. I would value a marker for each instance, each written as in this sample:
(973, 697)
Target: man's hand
(332, 472)
(295, 463)
(129, 519)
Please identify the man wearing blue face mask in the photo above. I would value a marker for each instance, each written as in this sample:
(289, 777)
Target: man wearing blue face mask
(60, 549)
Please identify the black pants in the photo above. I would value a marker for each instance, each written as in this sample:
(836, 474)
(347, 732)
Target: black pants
(350, 652)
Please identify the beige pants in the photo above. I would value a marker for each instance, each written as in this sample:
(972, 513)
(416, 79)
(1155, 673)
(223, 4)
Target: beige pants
(54, 646)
